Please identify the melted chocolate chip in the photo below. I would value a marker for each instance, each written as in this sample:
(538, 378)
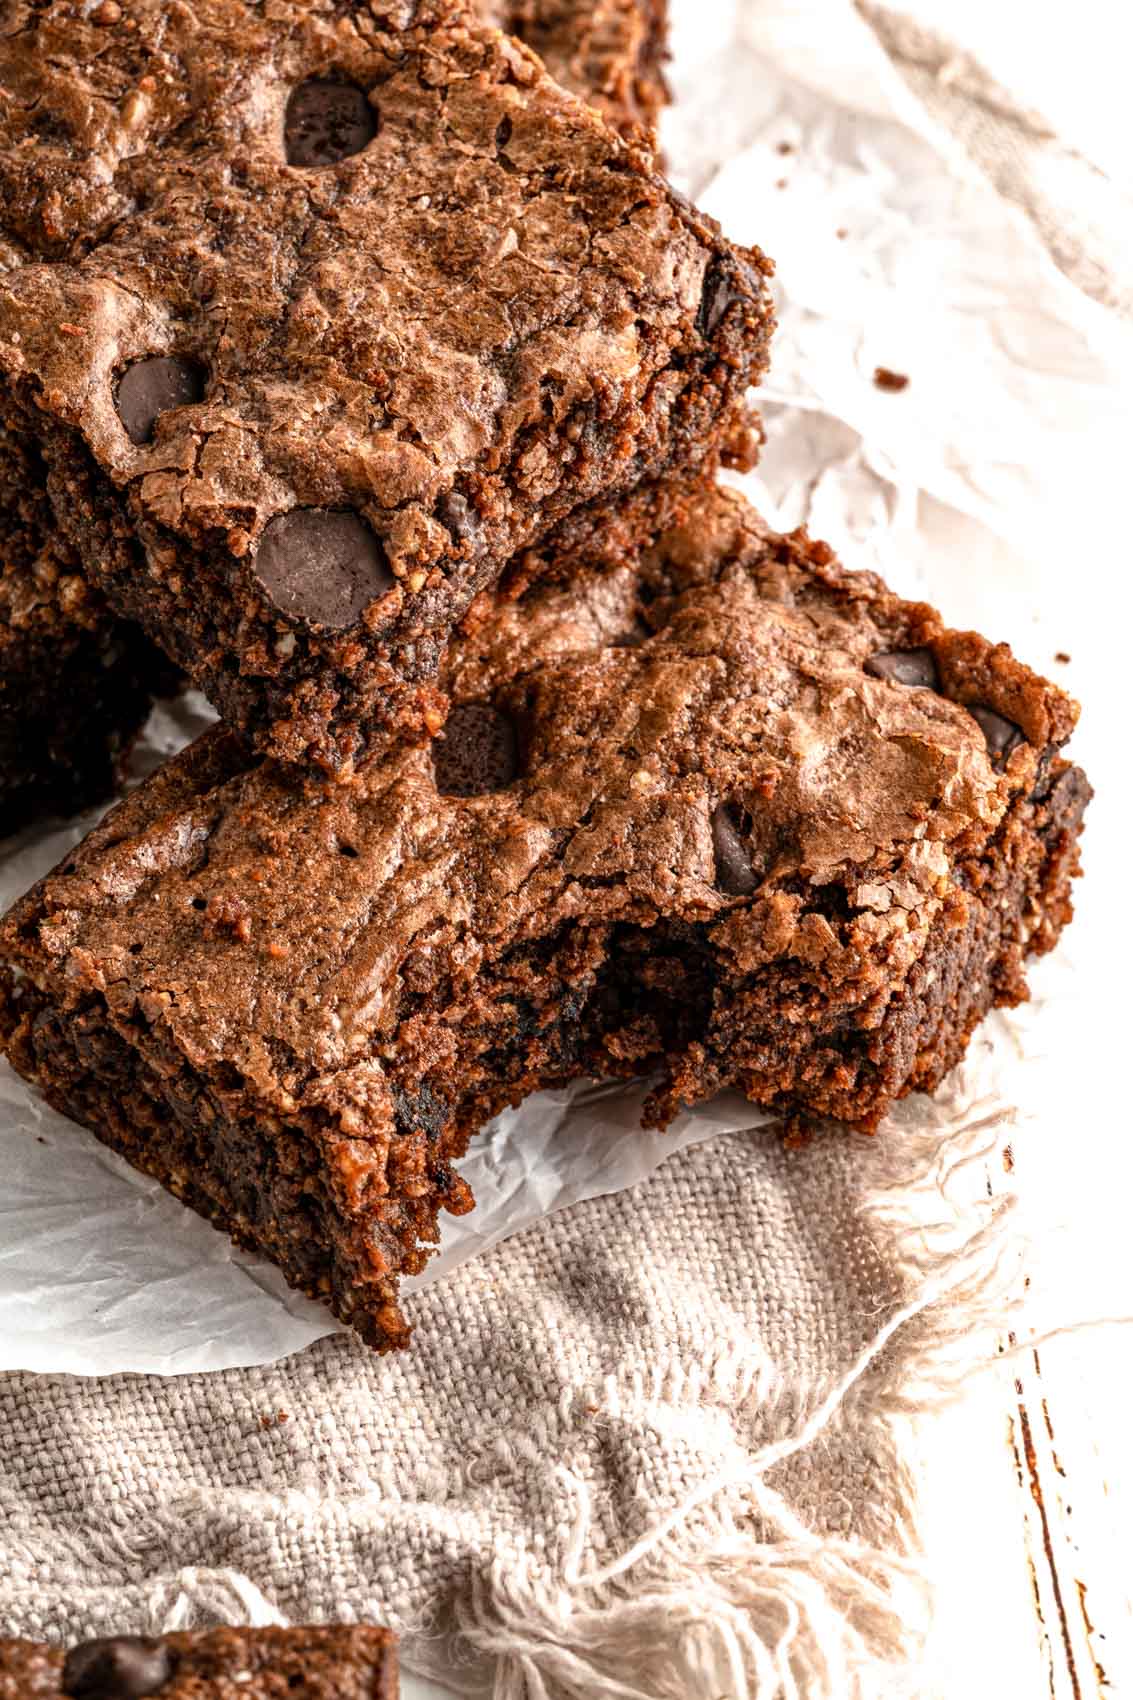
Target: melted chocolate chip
(322, 564)
(1002, 735)
(716, 297)
(915, 667)
(327, 121)
(151, 387)
(476, 752)
(734, 872)
(121, 1667)
(457, 513)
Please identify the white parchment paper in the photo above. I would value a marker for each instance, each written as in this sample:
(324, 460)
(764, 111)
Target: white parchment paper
(976, 485)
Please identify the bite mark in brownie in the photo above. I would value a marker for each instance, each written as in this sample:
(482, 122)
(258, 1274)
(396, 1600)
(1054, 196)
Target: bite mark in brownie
(339, 1662)
(682, 823)
(238, 320)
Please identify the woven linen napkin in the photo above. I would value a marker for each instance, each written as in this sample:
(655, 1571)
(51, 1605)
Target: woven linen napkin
(652, 1446)
(648, 1447)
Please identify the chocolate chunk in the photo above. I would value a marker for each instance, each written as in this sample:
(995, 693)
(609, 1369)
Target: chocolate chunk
(121, 1667)
(322, 564)
(151, 387)
(457, 513)
(327, 121)
(1002, 734)
(915, 667)
(717, 295)
(477, 752)
(734, 872)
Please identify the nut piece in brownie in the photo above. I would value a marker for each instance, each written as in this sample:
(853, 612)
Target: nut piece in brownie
(737, 817)
(611, 52)
(324, 313)
(341, 1662)
(76, 683)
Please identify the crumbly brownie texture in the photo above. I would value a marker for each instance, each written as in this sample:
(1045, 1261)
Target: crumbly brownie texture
(340, 1663)
(726, 819)
(611, 52)
(325, 313)
(76, 683)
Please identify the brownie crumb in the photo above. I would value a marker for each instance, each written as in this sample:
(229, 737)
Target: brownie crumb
(891, 382)
(1061, 655)
(842, 233)
(784, 147)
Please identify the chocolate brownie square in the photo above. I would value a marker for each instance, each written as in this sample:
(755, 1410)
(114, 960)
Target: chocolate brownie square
(76, 684)
(340, 1662)
(728, 816)
(323, 312)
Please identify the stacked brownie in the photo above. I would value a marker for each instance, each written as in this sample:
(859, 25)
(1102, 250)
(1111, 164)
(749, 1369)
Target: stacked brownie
(381, 381)
(341, 1662)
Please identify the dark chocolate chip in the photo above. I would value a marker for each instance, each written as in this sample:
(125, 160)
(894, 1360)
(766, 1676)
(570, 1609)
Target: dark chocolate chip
(121, 1667)
(1002, 735)
(915, 667)
(457, 513)
(151, 387)
(734, 872)
(322, 564)
(476, 752)
(717, 295)
(327, 121)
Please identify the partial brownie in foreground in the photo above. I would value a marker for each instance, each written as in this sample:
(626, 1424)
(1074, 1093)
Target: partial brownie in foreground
(76, 683)
(734, 817)
(611, 52)
(322, 316)
(341, 1662)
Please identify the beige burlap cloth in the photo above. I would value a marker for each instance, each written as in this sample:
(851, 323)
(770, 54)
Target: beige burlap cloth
(650, 1447)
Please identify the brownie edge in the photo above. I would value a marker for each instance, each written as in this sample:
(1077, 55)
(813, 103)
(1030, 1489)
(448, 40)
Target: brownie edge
(337, 1662)
(723, 814)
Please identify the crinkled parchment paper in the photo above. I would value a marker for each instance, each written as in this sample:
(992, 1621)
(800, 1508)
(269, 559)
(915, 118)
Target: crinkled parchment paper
(979, 484)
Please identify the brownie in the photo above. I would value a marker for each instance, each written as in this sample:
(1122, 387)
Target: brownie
(343, 1662)
(611, 52)
(76, 683)
(323, 314)
(730, 816)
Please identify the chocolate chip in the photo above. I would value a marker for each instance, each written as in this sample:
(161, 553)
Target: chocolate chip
(915, 667)
(457, 513)
(476, 752)
(322, 564)
(1002, 735)
(121, 1667)
(327, 121)
(151, 387)
(716, 297)
(734, 872)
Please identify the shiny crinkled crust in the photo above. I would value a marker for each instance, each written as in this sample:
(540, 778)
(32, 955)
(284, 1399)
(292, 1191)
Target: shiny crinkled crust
(695, 814)
(322, 269)
(335, 1662)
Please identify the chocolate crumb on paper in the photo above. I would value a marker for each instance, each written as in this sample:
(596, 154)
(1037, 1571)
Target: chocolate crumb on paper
(892, 382)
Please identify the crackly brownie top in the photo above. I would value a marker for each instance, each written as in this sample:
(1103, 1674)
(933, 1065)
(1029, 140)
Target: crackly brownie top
(739, 734)
(336, 267)
(342, 1662)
